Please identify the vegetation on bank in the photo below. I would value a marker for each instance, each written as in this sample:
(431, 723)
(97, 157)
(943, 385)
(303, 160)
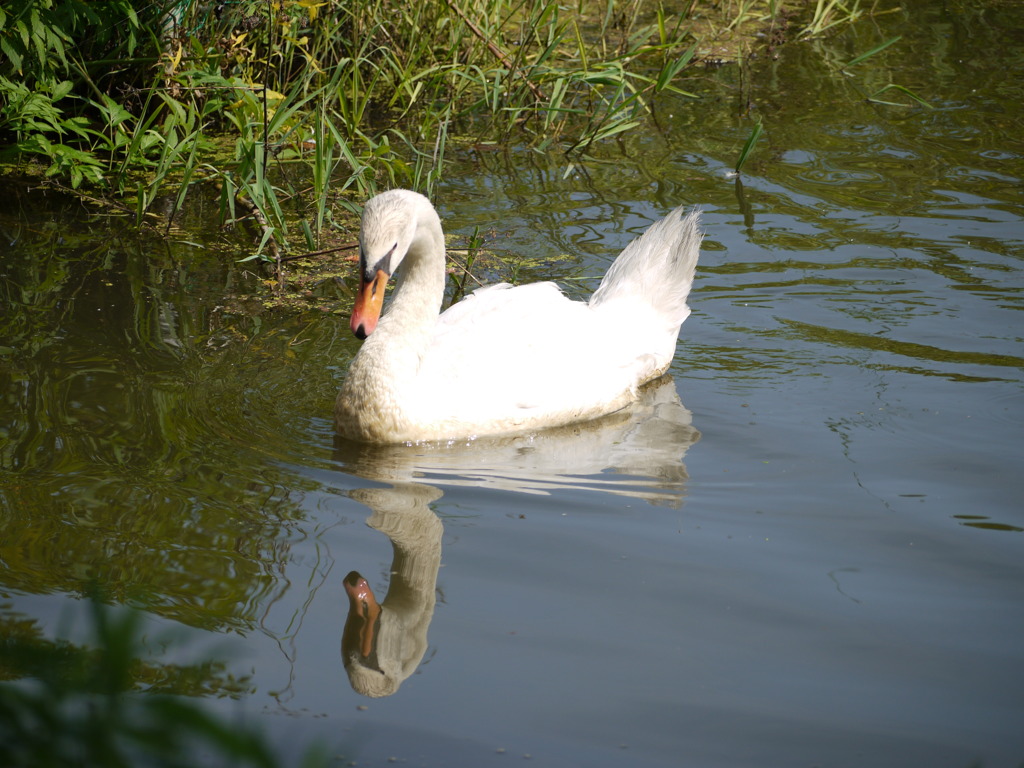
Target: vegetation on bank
(64, 705)
(290, 108)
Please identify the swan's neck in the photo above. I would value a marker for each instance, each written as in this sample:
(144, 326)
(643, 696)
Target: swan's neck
(419, 288)
(381, 387)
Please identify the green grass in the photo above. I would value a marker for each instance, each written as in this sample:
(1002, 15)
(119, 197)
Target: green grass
(748, 147)
(325, 103)
(321, 99)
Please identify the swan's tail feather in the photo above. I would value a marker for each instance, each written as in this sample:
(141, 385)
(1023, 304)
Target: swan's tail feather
(657, 268)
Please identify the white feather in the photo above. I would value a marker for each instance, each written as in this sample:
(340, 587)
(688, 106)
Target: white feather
(509, 359)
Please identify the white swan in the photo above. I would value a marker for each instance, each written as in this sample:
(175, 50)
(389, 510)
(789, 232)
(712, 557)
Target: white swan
(505, 359)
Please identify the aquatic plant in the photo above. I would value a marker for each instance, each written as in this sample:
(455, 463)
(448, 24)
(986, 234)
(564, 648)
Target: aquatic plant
(748, 146)
(68, 705)
(320, 102)
(874, 96)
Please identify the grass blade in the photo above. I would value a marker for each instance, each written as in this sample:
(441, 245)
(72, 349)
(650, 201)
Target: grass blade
(867, 55)
(749, 146)
(873, 98)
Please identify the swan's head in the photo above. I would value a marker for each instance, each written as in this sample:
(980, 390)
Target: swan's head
(389, 231)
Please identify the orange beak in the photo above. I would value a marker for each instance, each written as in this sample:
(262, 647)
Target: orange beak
(369, 301)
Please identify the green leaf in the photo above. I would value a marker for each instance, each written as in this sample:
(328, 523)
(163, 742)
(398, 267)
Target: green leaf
(670, 70)
(617, 128)
(23, 30)
(872, 52)
(61, 89)
(902, 89)
(13, 55)
(38, 35)
(748, 147)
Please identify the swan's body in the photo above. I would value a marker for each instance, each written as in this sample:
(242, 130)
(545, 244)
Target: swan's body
(505, 359)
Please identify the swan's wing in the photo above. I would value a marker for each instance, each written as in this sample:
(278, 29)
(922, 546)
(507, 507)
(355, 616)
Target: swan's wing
(528, 349)
(501, 336)
(485, 305)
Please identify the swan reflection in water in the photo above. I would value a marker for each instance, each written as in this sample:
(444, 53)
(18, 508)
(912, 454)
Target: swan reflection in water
(636, 452)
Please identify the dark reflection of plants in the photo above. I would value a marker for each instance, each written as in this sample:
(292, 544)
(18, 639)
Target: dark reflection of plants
(128, 452)
(67, 705)
(111, 667)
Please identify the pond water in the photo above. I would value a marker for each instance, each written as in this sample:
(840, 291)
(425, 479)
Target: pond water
(806, 547)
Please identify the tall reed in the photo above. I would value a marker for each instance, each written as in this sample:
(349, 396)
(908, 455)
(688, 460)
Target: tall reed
(330, 98)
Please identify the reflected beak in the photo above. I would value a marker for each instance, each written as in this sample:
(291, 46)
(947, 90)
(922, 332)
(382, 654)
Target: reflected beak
(363, 612)
(369, 301)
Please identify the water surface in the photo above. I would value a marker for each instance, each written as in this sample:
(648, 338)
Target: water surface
(805, 548)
